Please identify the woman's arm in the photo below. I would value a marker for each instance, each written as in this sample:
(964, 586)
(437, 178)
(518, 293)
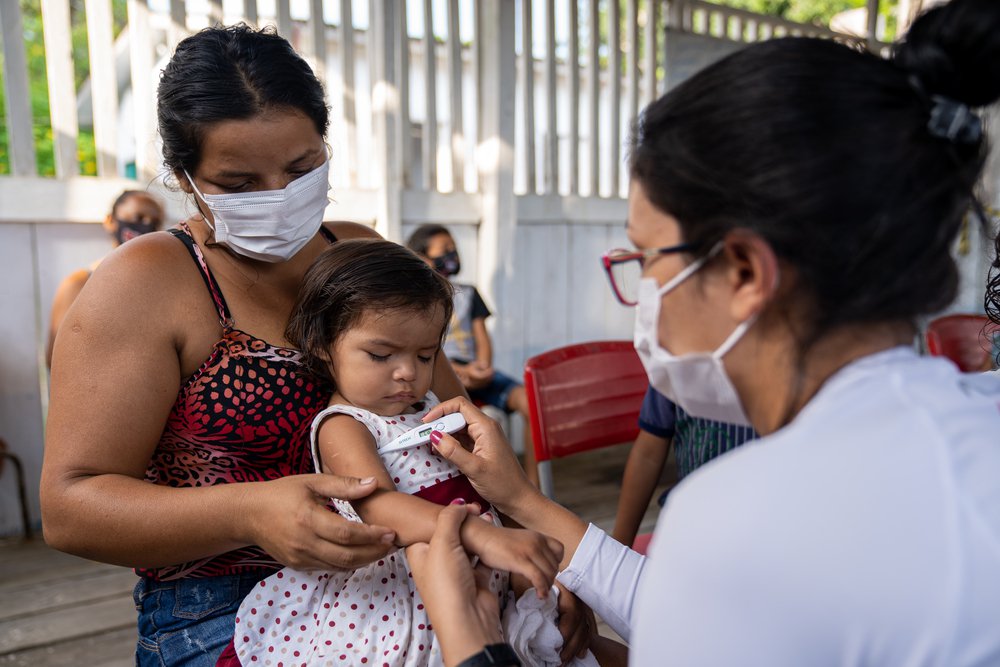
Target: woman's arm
(642, 472)
(347, 448)
(484, 344)
(116, 374)
(64, 297)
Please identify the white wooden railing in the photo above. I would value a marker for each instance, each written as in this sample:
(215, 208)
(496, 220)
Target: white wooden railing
(506, 122)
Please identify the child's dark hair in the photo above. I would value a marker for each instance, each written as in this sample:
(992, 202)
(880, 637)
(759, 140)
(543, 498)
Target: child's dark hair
(420, 239)
(351, 278)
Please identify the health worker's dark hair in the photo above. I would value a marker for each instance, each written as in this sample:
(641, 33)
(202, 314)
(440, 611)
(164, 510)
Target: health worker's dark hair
(230, 73)
(825, 151)
(354, 277)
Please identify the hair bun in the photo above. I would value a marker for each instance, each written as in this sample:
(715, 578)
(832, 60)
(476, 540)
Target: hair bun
(954, 51)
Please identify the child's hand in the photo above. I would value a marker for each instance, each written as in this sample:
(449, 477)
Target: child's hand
(477, 375)
(517, 550)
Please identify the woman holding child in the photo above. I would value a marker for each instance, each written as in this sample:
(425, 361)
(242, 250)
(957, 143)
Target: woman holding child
(178, 432)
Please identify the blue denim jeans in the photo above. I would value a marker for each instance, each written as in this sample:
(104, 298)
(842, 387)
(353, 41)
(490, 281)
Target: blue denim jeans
(188, 621)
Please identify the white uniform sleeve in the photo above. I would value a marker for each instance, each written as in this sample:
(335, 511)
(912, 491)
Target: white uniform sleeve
(606, 575)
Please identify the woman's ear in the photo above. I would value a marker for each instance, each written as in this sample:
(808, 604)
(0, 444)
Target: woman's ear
(182, 181)
(109, 224)
(753, 273)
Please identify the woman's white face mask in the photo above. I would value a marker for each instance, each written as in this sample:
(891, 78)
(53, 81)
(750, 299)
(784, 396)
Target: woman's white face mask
(697, 382)
(270, 225)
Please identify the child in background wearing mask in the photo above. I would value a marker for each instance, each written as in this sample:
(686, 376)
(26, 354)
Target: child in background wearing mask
(468, 345)
(370, 319)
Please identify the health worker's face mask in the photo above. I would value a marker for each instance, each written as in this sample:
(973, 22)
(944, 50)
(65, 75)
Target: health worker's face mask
(697, 382)
(270, 225)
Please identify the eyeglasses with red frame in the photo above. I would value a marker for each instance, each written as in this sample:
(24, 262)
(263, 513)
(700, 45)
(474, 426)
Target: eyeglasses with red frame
(624, 269)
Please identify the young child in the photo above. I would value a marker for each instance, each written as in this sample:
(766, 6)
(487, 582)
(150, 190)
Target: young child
(370, 319)
(468, 345)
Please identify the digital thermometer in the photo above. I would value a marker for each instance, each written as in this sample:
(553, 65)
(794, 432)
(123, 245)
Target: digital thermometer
(421, 435)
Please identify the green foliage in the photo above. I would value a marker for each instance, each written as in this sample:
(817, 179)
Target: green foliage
(31, 18)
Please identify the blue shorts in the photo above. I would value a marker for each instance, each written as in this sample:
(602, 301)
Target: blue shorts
(188, 621)
(497, 392)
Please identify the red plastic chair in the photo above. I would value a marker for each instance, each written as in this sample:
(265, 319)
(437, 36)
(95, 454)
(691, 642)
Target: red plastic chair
(583, 397)
(965, 339)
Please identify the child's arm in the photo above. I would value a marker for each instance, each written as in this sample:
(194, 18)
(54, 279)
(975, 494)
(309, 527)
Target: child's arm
(348, 448)
(642, 471)
(484, 344)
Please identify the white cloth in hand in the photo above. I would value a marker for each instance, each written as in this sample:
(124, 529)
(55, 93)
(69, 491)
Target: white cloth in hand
(531, 627)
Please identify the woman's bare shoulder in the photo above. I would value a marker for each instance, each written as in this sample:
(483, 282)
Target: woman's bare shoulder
(351, 230)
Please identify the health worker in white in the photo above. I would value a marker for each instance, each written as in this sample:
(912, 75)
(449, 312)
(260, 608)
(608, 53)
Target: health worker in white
(793, 209)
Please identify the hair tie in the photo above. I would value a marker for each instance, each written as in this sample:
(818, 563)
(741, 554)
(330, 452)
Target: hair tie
(954, 121)
(950, 119)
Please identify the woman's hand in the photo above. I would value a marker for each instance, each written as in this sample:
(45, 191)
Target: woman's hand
(491, 466)
(464, 612)
(289, 519)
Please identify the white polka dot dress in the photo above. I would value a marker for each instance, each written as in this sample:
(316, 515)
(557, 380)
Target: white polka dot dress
(369, 616)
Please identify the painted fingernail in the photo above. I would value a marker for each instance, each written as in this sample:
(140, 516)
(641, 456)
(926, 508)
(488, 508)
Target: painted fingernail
(436, 437)
(457, 501)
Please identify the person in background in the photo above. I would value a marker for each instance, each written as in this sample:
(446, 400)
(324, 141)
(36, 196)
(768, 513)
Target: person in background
(177, 440)
(794, 207)
(695, 442)
(468, 345)
(133, 214)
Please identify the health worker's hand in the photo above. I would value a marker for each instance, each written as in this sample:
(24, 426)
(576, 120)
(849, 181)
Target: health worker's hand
(289, 519)
(464, 612)
(491, 465)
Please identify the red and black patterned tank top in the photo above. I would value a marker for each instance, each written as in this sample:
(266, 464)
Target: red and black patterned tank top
(243, 416)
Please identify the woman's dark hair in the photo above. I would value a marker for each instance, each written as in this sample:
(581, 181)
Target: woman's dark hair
(355, 277)
(420, 239)
(825, 151)
(230, 73)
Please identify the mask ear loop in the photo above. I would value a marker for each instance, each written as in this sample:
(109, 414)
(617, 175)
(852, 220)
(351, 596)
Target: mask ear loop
(204, 201)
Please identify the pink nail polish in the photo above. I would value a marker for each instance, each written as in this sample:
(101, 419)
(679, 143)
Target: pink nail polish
(436, 437)
(457, 501)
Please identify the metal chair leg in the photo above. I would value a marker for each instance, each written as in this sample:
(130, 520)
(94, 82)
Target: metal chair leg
(22, 493)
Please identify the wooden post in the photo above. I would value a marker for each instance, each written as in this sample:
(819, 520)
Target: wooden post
(528, 97)
(140, 43)
(350, 129)
(594, 100)
(615, 83)
(104, 85)
(429, 135)
(497, 229)
(383, 27)
(573, 74)
(872, 26)
(15, 88)
(455, 99)
(62, 93)
(551, 87)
